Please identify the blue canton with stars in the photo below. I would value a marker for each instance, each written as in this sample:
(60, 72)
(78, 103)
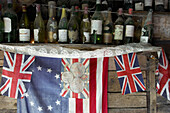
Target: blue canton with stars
(43, 95)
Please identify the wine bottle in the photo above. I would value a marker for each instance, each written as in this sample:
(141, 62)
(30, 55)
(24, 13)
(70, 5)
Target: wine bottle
(108, 29)
(148, 5)
(24, 28)
(85, 27)
(129, 28)
(119, 28)
(73, 28)
(128, 4)
(159, 5)
(10, 24)
(62, 28)
(1, 27)
(52, 23)
(96, 24)
(147, 30)
(39, 27)
(139, 5)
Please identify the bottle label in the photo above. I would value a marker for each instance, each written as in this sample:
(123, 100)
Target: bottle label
(52, 36)
(107, 38)
(87, 35)
(24, 34)
(148, 3)
(36, 31)
(129, 31)
(159, 2)
(139, 6)
(97, 26)
(7, 25)
(62, 35)
(118, 32)
(85, 20)
(144, 39)
(73, 35)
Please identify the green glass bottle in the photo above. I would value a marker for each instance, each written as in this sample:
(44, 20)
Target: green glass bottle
(24, 27)
(10, 23)
(96, 24)
(39, 27)
(108, 28)
(62, 28)
(119, 28)
(73, 28)
(1, 27)
(85, 27)
(52, 23)
(129, 28)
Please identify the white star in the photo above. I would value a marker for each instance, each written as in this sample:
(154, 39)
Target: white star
(57, 102)
(39, 68)
(49, 70)
(26, 94)
(32, 103)
(40, 108)
(60, 85)
(50, 108)
(57, 76)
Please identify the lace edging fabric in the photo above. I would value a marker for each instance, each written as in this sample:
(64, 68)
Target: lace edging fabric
(57, 51)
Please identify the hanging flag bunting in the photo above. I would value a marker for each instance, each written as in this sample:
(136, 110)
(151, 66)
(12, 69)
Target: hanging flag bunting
(16, 74)
(129, 73)
(164, 76)
(46, 87)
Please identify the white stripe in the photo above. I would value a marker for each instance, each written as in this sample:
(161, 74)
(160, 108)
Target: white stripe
(6, 88)
(86, 106)
(23, 64)
(7, 59)
(72, 105)
(99, 88)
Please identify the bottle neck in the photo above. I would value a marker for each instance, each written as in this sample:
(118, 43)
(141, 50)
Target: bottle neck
(98, 5)
(51, 12)
(63, 13)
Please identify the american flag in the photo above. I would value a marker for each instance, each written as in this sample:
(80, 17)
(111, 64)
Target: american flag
(16, 74)
(43, 95)
(129, 73)
(164, 76)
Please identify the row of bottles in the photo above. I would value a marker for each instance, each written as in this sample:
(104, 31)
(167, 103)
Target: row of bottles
(99, 29)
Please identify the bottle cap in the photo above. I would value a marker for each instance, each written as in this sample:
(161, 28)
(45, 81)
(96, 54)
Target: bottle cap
(9, 1)
(109, 9)
(130, 10)
(23, 8)
(120, 11)
(76, 7)
(51, 3)
(38, 7)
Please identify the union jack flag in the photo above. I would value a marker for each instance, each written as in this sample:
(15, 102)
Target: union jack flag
(129, 73)
(77, 70)
(16, 72)
(164, 76)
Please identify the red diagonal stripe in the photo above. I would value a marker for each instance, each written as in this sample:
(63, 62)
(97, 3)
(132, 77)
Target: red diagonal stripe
(9, 58)
(28, 64)
(119, 63)
(6, 84)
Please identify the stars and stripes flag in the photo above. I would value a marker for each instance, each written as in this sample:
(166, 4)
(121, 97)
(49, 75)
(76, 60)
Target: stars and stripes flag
(44, 93)
(16, 74)
(129, 73)
(164, 76)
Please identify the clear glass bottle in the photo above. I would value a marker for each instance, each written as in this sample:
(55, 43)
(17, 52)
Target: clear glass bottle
(52, 23)
(85, 27)
(39, 27)
(96, 24)
(108, 28)
(10, 22)
(1, 27)
(73, 28)
(62, 27)
(24, 26)
(129, 28)
(119, 28)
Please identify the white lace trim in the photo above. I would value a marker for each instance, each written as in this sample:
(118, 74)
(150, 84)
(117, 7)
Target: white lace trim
(57, 51)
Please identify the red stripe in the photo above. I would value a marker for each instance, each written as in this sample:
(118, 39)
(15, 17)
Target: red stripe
(5, 85)
(79, 105)
(85, 61)
(104, 84)
(119, 63)
(86, 92)
(124, 86)
(9, 58)
(92, 87)
(132, 59)
(28, 64)
(22, 92)
(143, 87)
(65, 65)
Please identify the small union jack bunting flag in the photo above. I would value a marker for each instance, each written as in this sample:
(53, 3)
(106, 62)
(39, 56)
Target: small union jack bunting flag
(16, 74)
(129, 73)
(164, 76)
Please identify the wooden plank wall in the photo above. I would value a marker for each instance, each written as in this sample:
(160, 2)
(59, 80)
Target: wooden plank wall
(117, 103)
